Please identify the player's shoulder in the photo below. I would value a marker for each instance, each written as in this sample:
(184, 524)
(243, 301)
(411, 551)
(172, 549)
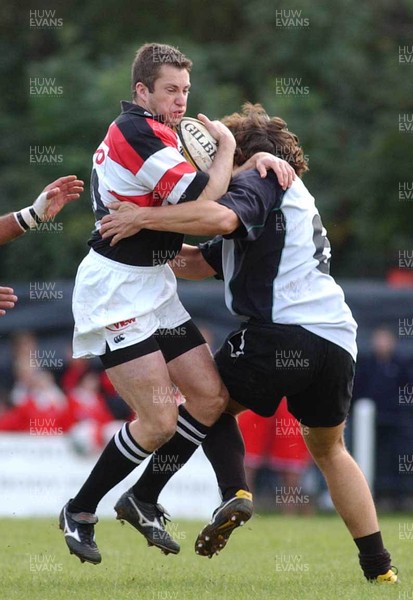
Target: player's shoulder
(136, 123)
(252, 180)
(131, 121)
(298, 191)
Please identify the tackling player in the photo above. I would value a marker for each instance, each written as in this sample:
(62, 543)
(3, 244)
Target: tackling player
(298, 339)
(46, 206)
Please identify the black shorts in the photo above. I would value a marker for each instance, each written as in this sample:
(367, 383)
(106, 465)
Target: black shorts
(261, 363)
(171, 342)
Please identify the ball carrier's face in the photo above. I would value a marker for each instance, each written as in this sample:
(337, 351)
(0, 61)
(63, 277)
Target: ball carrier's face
(170, 94)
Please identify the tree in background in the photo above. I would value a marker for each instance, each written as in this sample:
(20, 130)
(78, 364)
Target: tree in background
(338, 72)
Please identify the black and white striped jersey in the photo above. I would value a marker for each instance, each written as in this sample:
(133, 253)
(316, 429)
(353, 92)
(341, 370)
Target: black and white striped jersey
(276, 264)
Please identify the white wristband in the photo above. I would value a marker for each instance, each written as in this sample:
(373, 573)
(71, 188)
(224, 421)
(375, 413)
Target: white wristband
(31, 216)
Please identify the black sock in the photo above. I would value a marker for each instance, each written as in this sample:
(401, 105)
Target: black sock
(120, 457)
(374, 558)
(225, 450)
(168, 459)
(370, 544)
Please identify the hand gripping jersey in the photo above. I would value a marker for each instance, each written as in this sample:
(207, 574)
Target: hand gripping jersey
(140, 161)
(276, 264)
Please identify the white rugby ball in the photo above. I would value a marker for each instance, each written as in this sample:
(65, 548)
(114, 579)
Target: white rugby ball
(199, 147)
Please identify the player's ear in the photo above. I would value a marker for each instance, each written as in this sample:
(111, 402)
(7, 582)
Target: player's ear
(142, 91)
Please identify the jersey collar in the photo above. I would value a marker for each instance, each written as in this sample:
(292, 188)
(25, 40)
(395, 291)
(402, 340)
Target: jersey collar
(131, 107)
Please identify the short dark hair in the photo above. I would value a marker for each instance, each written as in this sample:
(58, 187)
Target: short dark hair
(255, 131)
(150, 58)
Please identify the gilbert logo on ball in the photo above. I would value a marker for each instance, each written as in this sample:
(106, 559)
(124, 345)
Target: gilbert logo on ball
(199, 147)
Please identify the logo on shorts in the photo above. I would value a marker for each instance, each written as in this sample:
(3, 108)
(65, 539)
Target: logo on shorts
(240, 342)
(121, 325)
(118, 338)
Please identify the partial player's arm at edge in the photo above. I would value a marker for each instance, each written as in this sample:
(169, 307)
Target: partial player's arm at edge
(9, 229)
(190, 264)
(46, 206)
(7, 300)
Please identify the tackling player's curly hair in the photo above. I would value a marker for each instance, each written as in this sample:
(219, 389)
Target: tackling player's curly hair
(255, 131)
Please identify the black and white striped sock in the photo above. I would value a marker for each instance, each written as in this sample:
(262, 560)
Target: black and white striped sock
(168, 459)
(129, 447)
(120, 457)
(189, 428)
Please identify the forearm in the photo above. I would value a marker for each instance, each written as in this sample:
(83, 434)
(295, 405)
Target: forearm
(220, 172)
(193, 218)
(9, 229)
(190, 264)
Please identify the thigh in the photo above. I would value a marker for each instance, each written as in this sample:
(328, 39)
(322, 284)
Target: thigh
(321, 440)
(175, 341)
(326, 402)
(145, 385)
(197, 377)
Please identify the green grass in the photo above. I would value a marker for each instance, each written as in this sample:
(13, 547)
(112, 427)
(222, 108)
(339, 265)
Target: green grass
(272, 557)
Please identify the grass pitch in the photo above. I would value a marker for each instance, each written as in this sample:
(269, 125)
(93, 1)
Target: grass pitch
(272, 557)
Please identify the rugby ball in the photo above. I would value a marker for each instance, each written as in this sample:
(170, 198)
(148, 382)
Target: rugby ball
(198, 145)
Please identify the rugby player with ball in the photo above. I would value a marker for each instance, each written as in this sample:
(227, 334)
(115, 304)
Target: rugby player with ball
(125, 303)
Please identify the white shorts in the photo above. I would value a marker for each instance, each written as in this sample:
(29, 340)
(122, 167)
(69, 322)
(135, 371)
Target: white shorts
(121, 305)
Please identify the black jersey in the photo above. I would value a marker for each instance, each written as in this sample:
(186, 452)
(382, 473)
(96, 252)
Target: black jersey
(276, 264)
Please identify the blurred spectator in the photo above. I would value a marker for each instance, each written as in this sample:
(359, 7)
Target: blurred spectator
(382, 376)
(42, 408)
(16, 368)
(24, 351)
(86, 401)
(93, 422)
(118, 408)
(74, 371)
(400, 278)
(276, 444)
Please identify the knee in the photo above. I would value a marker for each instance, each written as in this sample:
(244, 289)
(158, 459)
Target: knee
(324, 451)
(161, 429)
(212, 405)
(219, 402)
(165, 430)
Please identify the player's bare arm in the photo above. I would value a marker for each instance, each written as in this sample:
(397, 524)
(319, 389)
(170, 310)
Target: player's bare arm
(61, 192)
(129, 218)
(190, 264)
(195, 218)
(220, 172)
(46, 206)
